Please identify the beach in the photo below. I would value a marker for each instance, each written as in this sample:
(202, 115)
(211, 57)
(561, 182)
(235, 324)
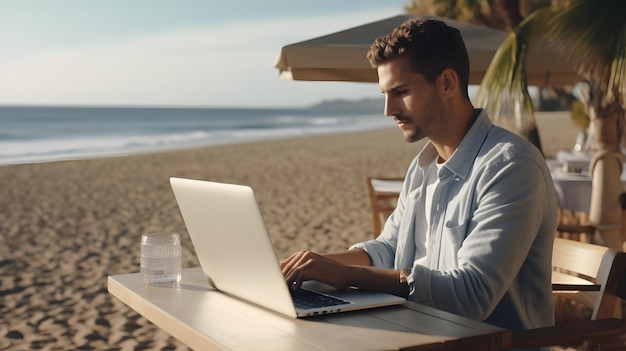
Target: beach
(67, 225)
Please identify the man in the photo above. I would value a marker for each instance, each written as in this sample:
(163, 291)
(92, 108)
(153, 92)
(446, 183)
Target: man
(473, 230)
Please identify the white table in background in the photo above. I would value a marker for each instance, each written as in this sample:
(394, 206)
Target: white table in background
(391, 186)
(573, 190)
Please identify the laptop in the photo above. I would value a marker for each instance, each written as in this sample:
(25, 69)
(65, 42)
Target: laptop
(236, 253)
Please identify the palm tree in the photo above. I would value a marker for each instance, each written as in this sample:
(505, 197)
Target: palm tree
(592, 35)
(498, 14)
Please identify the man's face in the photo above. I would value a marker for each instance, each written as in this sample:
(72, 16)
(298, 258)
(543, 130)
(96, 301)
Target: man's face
(410, 99)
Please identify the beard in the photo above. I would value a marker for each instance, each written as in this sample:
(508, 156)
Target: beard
(430, 121)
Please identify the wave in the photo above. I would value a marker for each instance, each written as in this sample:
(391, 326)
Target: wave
(16, 151)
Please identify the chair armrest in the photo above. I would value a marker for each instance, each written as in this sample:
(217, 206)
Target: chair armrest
(591, 330)
(574, 228)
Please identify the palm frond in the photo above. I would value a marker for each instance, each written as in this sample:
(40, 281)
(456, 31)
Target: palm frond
(505, 74)
(504, 86)
(593, 34)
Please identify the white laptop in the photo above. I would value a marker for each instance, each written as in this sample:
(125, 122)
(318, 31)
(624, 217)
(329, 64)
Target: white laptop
(236, 252)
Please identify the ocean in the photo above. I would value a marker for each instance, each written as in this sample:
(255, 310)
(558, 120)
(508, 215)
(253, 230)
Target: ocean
(44, 134)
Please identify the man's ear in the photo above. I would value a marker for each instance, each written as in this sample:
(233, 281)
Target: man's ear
(448, 82)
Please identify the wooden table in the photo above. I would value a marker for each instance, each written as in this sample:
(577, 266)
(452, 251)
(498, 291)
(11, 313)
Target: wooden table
(206, 319)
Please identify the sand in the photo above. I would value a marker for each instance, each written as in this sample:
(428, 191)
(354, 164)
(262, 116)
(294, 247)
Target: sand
(66, 226)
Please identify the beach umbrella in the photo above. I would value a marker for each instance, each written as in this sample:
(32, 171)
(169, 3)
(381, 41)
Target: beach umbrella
(341, 56)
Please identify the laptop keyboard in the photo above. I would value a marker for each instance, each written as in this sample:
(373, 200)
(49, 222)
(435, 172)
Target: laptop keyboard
(307, 299)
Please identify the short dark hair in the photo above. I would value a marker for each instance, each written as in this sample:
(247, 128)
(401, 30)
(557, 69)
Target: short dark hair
(431, 46)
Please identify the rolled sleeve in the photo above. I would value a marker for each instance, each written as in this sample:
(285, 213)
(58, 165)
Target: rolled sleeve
(381, 253)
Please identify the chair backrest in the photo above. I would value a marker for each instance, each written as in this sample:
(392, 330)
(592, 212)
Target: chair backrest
(574, 225)
(383, 194)
(603, 266)
(606, 269)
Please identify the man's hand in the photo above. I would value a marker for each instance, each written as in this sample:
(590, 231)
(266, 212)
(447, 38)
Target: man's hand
(306, 265)
(342, 270)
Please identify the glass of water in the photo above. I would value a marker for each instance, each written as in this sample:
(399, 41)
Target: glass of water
(161, 262)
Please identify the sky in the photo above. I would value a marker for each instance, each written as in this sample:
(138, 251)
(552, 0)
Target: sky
(170, 52)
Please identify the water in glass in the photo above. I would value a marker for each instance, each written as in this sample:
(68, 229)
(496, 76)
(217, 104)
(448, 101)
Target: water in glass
(161, 259)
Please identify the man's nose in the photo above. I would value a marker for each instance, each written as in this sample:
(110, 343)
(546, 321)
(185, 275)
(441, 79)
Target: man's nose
(390, 108)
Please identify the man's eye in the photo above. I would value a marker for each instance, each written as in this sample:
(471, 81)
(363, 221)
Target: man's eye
(401, 92)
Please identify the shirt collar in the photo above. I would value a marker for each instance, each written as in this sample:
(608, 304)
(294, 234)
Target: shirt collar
(463, 157)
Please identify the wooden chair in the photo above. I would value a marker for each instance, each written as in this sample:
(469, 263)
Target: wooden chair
(383, 193)
(574, 225)
(579, 268)
(598, 334)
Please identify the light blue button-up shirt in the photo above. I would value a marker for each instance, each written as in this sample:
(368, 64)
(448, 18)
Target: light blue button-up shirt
(492, 223)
